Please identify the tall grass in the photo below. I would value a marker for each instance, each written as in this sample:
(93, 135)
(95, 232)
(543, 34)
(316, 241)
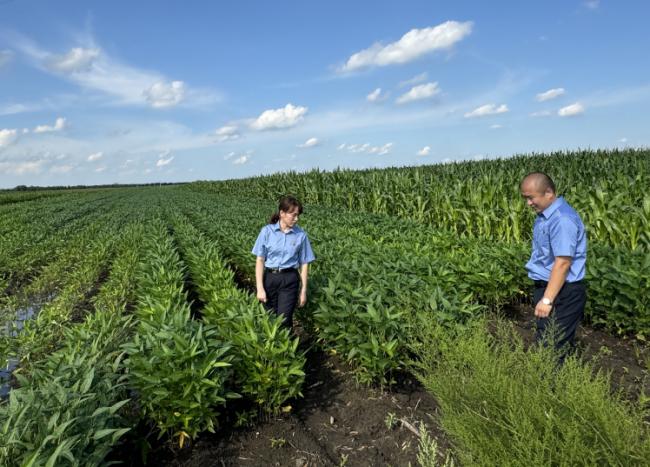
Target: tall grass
(505, 405)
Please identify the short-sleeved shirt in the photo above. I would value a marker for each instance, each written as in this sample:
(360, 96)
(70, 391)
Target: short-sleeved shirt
(283, 250)
(558, 231)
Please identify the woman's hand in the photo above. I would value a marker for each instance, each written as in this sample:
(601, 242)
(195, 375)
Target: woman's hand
(303, 298)
(261, 295)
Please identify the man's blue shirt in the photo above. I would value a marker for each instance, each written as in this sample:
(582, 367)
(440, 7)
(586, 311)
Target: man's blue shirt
(283, 250)
(558, 231)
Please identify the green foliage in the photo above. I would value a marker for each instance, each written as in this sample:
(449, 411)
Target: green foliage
(479, 199)
(355, 322)
(66, 411)
(503, 405)
(428, 451)
(268, 368)
(619, 290)
(179, 367)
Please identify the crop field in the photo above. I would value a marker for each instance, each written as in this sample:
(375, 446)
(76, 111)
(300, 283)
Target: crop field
(131, 325)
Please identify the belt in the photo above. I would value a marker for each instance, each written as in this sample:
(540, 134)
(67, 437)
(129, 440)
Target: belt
(279, 270)
(545, 283)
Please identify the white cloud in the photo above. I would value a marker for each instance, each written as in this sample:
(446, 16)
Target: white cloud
(284, 117)
(164, 159)
(227, 133)
(239, 158)
(374, 95)
(161, 94)
(571, 110)
(92, 68)
(21, 168)
(101, 169)
(11, 109)
(592, 4)
(76, 60)
(5, 57)
(7, 137)
(310, 143)
(380, 150)
(59, 125)
(425, 151)
(95, 156)
(61, 169)
(417, 79)
(622, 140)
(496, 126)
(541, 113)
(488, 109)
(366, 148)
(550, 94)
(243, 159)
(412, 45)
(417, 93)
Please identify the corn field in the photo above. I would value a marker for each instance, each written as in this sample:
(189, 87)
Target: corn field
(107, 276)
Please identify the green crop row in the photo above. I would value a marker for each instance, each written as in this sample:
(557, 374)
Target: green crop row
(178, 366)
(29, 241)
(66, 410)
(479, 199)
(371, 272)
(268, 368)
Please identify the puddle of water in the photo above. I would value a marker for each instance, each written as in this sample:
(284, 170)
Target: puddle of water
(5, 376)
(12, 328)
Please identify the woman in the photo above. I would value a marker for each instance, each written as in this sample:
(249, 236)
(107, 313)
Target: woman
(283, 255)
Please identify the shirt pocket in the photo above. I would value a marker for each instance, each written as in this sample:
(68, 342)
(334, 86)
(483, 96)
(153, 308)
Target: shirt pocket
(542, 239)
(293, 247)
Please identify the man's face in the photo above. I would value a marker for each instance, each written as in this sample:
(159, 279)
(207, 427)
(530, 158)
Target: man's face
(537, 199)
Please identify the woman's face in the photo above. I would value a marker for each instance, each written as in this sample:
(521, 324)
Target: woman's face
(289, 218)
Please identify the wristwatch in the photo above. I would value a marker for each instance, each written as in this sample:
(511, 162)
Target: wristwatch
(547, 301)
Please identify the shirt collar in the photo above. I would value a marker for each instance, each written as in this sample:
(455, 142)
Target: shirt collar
(548, 212)
(276, 226)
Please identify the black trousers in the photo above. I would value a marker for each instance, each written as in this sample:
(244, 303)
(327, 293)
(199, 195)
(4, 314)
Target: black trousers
(567, 313)
(282, 294)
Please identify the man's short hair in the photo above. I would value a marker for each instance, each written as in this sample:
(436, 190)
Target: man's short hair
(542, 181)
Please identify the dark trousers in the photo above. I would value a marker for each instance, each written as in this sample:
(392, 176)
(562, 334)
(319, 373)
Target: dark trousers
(282, 294)
(568, 310)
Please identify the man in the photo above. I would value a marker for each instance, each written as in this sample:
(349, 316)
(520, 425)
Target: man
(557, 261)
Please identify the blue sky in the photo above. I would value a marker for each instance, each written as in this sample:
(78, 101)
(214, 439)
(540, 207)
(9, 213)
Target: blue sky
(127, 92)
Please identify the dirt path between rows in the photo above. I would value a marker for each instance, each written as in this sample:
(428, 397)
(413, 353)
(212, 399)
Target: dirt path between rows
(338, 422)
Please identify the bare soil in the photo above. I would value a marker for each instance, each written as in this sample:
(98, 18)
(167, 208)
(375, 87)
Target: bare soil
(625, 358)
(338, 422)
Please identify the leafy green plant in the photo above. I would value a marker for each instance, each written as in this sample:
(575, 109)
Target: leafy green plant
(502, 404)
(268, 368)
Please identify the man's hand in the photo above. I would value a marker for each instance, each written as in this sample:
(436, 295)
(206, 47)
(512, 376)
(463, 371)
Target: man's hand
(303, 298)
(261, 295)
(542, 311)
